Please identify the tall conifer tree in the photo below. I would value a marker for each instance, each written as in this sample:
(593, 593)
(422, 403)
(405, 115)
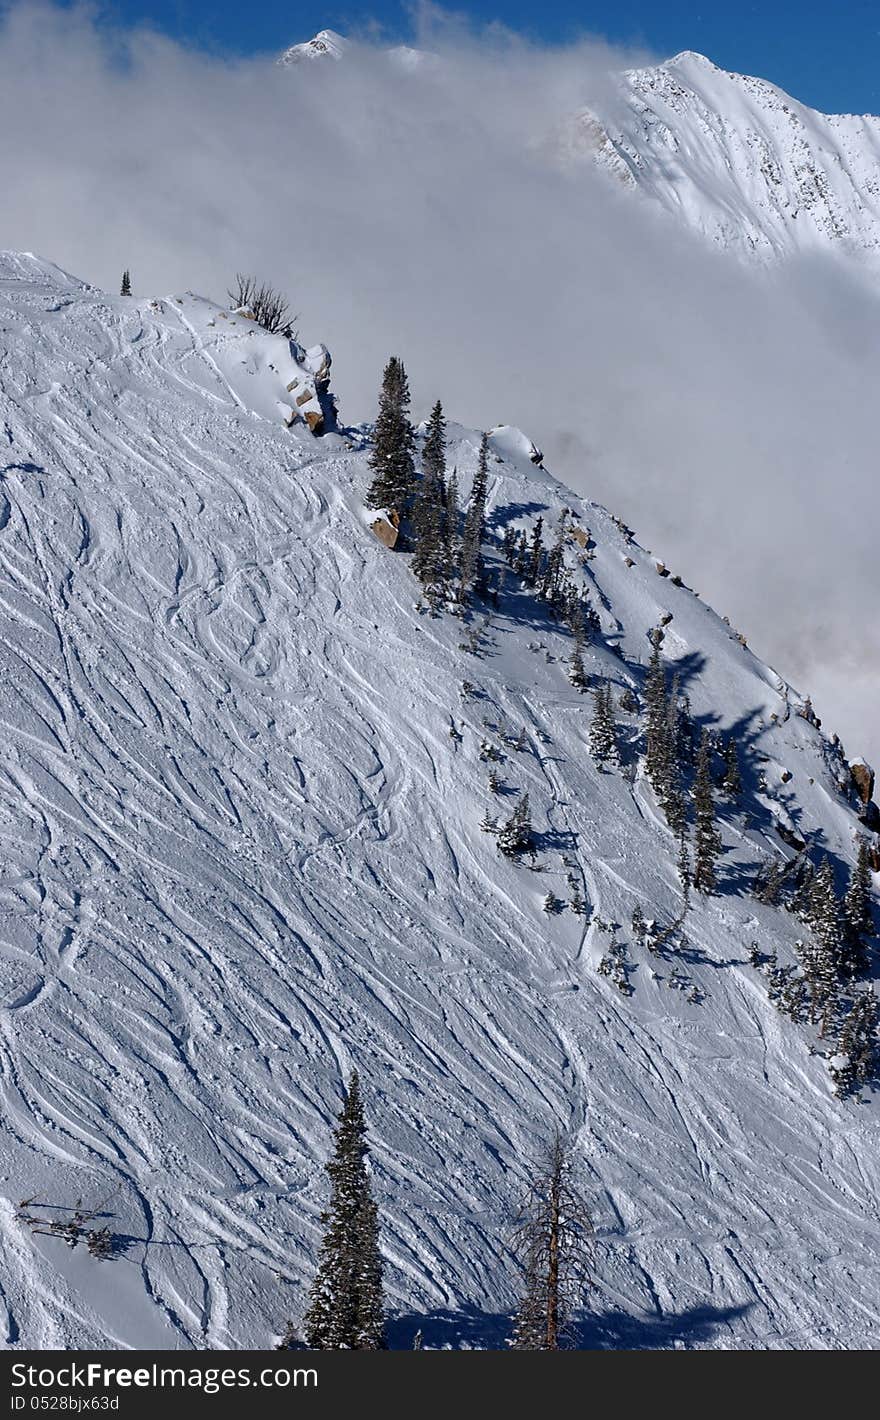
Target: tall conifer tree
(858, 922)
(707, 840)
(391, 458)
(346, 1303)
(430, 562)
(474, 519)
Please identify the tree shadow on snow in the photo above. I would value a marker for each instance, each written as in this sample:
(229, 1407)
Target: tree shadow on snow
(471, 1328)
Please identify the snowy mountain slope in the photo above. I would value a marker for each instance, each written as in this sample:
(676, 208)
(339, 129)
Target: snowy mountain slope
(242, 853)
(739, 160)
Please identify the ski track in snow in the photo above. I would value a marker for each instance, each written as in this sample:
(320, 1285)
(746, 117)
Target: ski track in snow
(242, 854)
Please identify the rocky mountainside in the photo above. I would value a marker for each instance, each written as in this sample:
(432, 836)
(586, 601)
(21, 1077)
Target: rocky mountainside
(246, 822)
(732, 157)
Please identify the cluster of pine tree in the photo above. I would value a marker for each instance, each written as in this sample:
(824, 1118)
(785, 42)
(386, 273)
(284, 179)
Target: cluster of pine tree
(603, 731)
(663, 717)
(831, 958)
(516, 836)
(542, 567)
(669, 763)
(446, 544)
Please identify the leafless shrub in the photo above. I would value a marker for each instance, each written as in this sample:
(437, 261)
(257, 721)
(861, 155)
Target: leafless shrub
(267, 306)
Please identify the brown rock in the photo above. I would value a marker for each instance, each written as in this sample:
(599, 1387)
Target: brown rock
(304, 397)
(581, 536)
(314, 419)
(863, 778)
(386, 529)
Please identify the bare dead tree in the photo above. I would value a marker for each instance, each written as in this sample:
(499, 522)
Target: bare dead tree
(267, 306)
(553, 1238)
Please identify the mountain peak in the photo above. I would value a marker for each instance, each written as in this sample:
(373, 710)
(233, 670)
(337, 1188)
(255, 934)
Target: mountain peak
(326, 44)
(689, 58)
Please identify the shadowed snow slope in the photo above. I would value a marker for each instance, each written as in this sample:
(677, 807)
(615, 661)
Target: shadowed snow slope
(242, 854)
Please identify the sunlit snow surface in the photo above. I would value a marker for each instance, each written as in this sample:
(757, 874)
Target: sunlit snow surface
(242, 854)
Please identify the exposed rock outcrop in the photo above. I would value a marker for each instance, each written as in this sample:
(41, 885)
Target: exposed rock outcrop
(863, 778)
(386, 528)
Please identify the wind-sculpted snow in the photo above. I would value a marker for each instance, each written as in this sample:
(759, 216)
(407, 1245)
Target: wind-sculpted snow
(242, 854)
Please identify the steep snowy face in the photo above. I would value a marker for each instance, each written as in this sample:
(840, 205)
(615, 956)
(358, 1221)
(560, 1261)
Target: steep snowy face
(246, 821)
(740, 161)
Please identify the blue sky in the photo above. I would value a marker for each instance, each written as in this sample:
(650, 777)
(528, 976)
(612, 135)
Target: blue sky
(828, 55)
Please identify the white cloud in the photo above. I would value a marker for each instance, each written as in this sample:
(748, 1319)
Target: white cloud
(728, 415)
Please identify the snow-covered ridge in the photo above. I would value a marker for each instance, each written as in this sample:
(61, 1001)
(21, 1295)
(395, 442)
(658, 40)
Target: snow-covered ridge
(242, 853)
(741, 161)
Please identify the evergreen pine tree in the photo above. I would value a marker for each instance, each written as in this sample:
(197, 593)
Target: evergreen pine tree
(346, 1304)
(858, 923)
(516, 836)
(707, 841)
(434, 450)
(536, 552)
(684, 864)
(603, 738)
(430, 561)
(451, 522)
(675, 718)
(391, 458)
(554, 1241)
(820, 973)
(472, 532)
(125, 289)
(657, 746)
(732, 781)
(824, 915)
(856, 1058)
(800, 898)
(576, 670)
(552, 577)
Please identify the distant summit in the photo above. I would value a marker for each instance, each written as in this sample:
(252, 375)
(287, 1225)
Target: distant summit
(326, 44)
